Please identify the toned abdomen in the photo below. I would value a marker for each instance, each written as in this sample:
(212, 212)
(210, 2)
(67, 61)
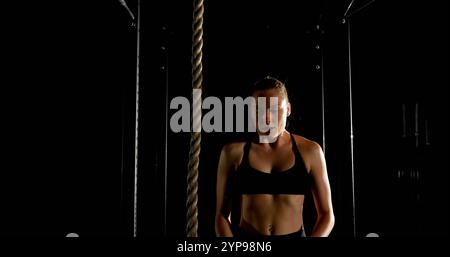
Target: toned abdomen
(272, 214)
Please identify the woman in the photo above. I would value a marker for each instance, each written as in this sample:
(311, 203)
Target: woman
(266, 183)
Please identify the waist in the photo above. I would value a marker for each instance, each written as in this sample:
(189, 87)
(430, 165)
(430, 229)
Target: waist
(273, 224)
(241, 232)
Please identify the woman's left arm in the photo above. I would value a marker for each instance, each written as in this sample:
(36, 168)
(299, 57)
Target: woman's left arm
(321, 192)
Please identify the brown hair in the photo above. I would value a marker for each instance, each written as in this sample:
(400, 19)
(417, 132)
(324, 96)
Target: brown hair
(269, 83)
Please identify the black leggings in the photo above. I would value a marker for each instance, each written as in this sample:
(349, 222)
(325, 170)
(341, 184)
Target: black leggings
(239, 232)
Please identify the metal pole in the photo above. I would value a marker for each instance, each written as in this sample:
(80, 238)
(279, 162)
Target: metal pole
(323, 99)
(348, 8)
(138, 32)
(351, 127)
(166, 136)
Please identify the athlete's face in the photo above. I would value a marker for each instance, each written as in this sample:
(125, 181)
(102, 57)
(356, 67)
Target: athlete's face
(276, 114)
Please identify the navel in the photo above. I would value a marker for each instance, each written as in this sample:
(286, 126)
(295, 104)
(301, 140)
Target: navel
(270, 228)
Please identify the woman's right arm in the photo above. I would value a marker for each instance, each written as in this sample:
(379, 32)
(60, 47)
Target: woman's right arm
(223, 202)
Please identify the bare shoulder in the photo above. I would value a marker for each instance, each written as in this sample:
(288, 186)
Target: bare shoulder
(232, 153)
(310, 150)
(307, 146)
(234, 148)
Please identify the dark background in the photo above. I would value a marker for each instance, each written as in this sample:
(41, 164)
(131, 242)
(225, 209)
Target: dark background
(68, 97)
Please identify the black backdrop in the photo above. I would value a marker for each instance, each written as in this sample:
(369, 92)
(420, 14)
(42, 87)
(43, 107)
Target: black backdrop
(68, 97)
(65, 67)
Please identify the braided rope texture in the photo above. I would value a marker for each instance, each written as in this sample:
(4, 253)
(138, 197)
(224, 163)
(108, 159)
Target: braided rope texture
(194, 152)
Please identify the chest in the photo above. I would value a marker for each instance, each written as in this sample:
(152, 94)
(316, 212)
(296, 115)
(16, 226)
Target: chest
(269, 161)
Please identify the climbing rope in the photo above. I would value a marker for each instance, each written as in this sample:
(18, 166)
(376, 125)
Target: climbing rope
(194, 152)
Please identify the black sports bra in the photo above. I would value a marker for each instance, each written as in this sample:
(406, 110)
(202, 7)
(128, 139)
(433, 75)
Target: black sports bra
(248, 180)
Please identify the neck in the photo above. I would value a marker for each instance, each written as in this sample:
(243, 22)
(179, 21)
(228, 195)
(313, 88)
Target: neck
(281, 139)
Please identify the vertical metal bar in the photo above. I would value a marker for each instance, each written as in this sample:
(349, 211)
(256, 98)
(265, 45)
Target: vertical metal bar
(166, 136)
(323, 100)
(427, 136)
(404, 120)
(137, 120)
(122, 162)
(351, 128)
(416, 124)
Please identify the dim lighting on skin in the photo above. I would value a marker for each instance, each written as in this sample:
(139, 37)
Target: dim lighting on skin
(180, 121)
